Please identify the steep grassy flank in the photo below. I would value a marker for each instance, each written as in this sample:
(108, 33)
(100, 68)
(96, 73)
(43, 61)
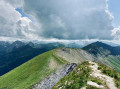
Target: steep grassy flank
(31, 72)
(83, 73)
(110, 72)
(114, 61)
(76, 79)
(105, 54)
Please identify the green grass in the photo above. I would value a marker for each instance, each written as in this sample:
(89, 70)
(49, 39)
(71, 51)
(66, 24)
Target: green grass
(110, 72)
(31, 72)
(96, 80)
(76, 79)
(92, 87)
(115, 62)
(81, 74)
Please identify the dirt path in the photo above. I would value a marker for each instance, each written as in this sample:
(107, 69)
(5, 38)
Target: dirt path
(97, 73)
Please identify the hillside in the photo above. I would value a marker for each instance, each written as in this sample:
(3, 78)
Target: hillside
(31, 72)
(90, 75)
(74, 55)
(105, 54)
(41, 66)
(47, 69)
(18, 56)
(14, 54)
(94, 48)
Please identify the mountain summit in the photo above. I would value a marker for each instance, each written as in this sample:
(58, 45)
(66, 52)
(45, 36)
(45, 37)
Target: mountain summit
(105, 54)
(97, 47)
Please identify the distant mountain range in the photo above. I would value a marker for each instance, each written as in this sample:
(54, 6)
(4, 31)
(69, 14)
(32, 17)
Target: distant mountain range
(14, 54)
(17, 53)
(27, 65)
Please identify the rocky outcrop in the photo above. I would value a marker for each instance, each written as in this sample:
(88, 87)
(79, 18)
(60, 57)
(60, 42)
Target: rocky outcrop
(54, 78)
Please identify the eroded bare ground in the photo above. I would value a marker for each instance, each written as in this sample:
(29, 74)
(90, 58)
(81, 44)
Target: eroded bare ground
(53, 64)
(97, 74)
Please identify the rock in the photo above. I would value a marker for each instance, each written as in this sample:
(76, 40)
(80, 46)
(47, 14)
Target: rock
(49, 82)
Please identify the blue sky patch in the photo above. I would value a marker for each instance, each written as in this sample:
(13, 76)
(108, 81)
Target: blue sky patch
(114, 8)
(23, 14)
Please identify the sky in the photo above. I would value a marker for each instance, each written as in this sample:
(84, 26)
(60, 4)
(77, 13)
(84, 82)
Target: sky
(60, 20)
(114, 8)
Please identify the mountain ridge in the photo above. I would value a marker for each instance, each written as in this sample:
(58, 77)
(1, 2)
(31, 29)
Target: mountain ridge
(113, 50)
(105, 54)
(20, 53)
(33, 72)
(50, 56)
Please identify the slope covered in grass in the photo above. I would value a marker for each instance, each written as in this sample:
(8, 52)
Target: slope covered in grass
(76, 79)
(90, 75)
(31, 72)
(17, 53)
(110, 72)
(35, 70)
(41, 66)
(105, 54)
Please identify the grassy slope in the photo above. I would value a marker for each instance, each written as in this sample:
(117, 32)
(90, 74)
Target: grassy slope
(114, 61)
(110, 72)
(104, 56)
(81, 74)
(30, 72)
(111, 61)
(36, 69)
(76, 79)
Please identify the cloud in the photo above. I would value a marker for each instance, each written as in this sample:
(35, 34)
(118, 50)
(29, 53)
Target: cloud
(72, 19)
(13, 24)
(8, 17)
(56, 19)
(116, 33)
(15, 3)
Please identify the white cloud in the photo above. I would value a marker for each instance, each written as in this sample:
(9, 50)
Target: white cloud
(15, 3)
(116, 33)
(79, 19)
(56, 19)
(8, 18)
(12, 24)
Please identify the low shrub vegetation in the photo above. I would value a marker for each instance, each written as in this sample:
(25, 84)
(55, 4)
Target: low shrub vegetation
(76, 79)
(110, 72)
(96, 80)
(92, 87)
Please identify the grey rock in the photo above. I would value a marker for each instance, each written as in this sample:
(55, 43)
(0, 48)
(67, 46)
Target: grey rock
(49, 82)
